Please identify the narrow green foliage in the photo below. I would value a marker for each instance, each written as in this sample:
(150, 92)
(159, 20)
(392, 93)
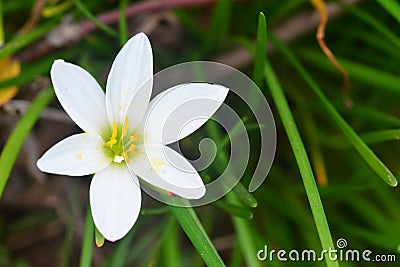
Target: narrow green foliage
(18, 135)
(261, 50)
(372, 77)
(92, 18)
(375, 24)
(302, 160)
(380, 136)
(392, 7)
(123, 28)
(171, 247)
(87, 242)
(244, 195)
(193, 228)
(235, 210)
(365, 152)
(21, 41)
(219, 25)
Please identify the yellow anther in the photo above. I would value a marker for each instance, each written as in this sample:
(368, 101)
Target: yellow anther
(132, 149)
(125, 129)
(111, 142)
(135, 137)
(125, 155)
(113, 137)
(115, 130)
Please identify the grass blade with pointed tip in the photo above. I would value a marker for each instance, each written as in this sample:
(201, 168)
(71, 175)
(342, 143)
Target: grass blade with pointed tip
(365, 152)
(193, 228)
(302, 160)
(261, 50)
(14, 143)
(380, 136)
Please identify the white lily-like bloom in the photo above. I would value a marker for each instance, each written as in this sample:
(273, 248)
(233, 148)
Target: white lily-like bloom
(123, 129)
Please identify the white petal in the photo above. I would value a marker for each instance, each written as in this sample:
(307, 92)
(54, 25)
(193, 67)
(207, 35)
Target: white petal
(77, 155)
(138, 107)
(181, 110)
(115, 201)
(80, 95)
(132, 69)
(163, 167)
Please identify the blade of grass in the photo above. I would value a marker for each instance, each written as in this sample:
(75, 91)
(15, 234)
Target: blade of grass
(92, 18)
(235, 210)
(302, 161)
(380, 136)
(365, 152)
(193, 228)
(219, 25)
(392, 7)
(261, 50)
(18, 135)
(171, 248)
(23, 40)
(242, 227)
(363, 73)
(374, 23)
(87, 243)
(123, 28)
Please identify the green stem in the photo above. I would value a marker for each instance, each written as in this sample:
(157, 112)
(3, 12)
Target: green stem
(87, 243)
(302, 161)
(14, 143)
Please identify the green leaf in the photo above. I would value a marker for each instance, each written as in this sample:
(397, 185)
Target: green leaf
(380, 136)
(302, 160)
(87, 243)
(392, 7)
(261, 50)
(219, 25)
(365, 152)
(123, 28)
(24, 40)
(193, 228)
(235, 210)
(370, 76)
(18, 135)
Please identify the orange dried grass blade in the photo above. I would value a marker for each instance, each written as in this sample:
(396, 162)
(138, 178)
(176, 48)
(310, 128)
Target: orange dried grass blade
(320, 6)
(8, 69)
(34, 16)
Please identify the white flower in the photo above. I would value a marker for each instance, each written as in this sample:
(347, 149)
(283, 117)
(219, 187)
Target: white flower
(122, 128)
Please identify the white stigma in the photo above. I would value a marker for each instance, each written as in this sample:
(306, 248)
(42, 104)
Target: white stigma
(118, 159)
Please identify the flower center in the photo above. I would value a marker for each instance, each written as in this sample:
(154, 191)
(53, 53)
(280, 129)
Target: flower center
(117, 145)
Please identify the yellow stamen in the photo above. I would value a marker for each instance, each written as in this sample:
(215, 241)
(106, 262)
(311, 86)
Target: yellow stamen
(113, 139)
(111, 142)
(135, 137)
(125, 157)
(125, 129)
(132, 149)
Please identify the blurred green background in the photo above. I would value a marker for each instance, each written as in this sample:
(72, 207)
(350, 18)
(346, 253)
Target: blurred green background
(351, 136)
